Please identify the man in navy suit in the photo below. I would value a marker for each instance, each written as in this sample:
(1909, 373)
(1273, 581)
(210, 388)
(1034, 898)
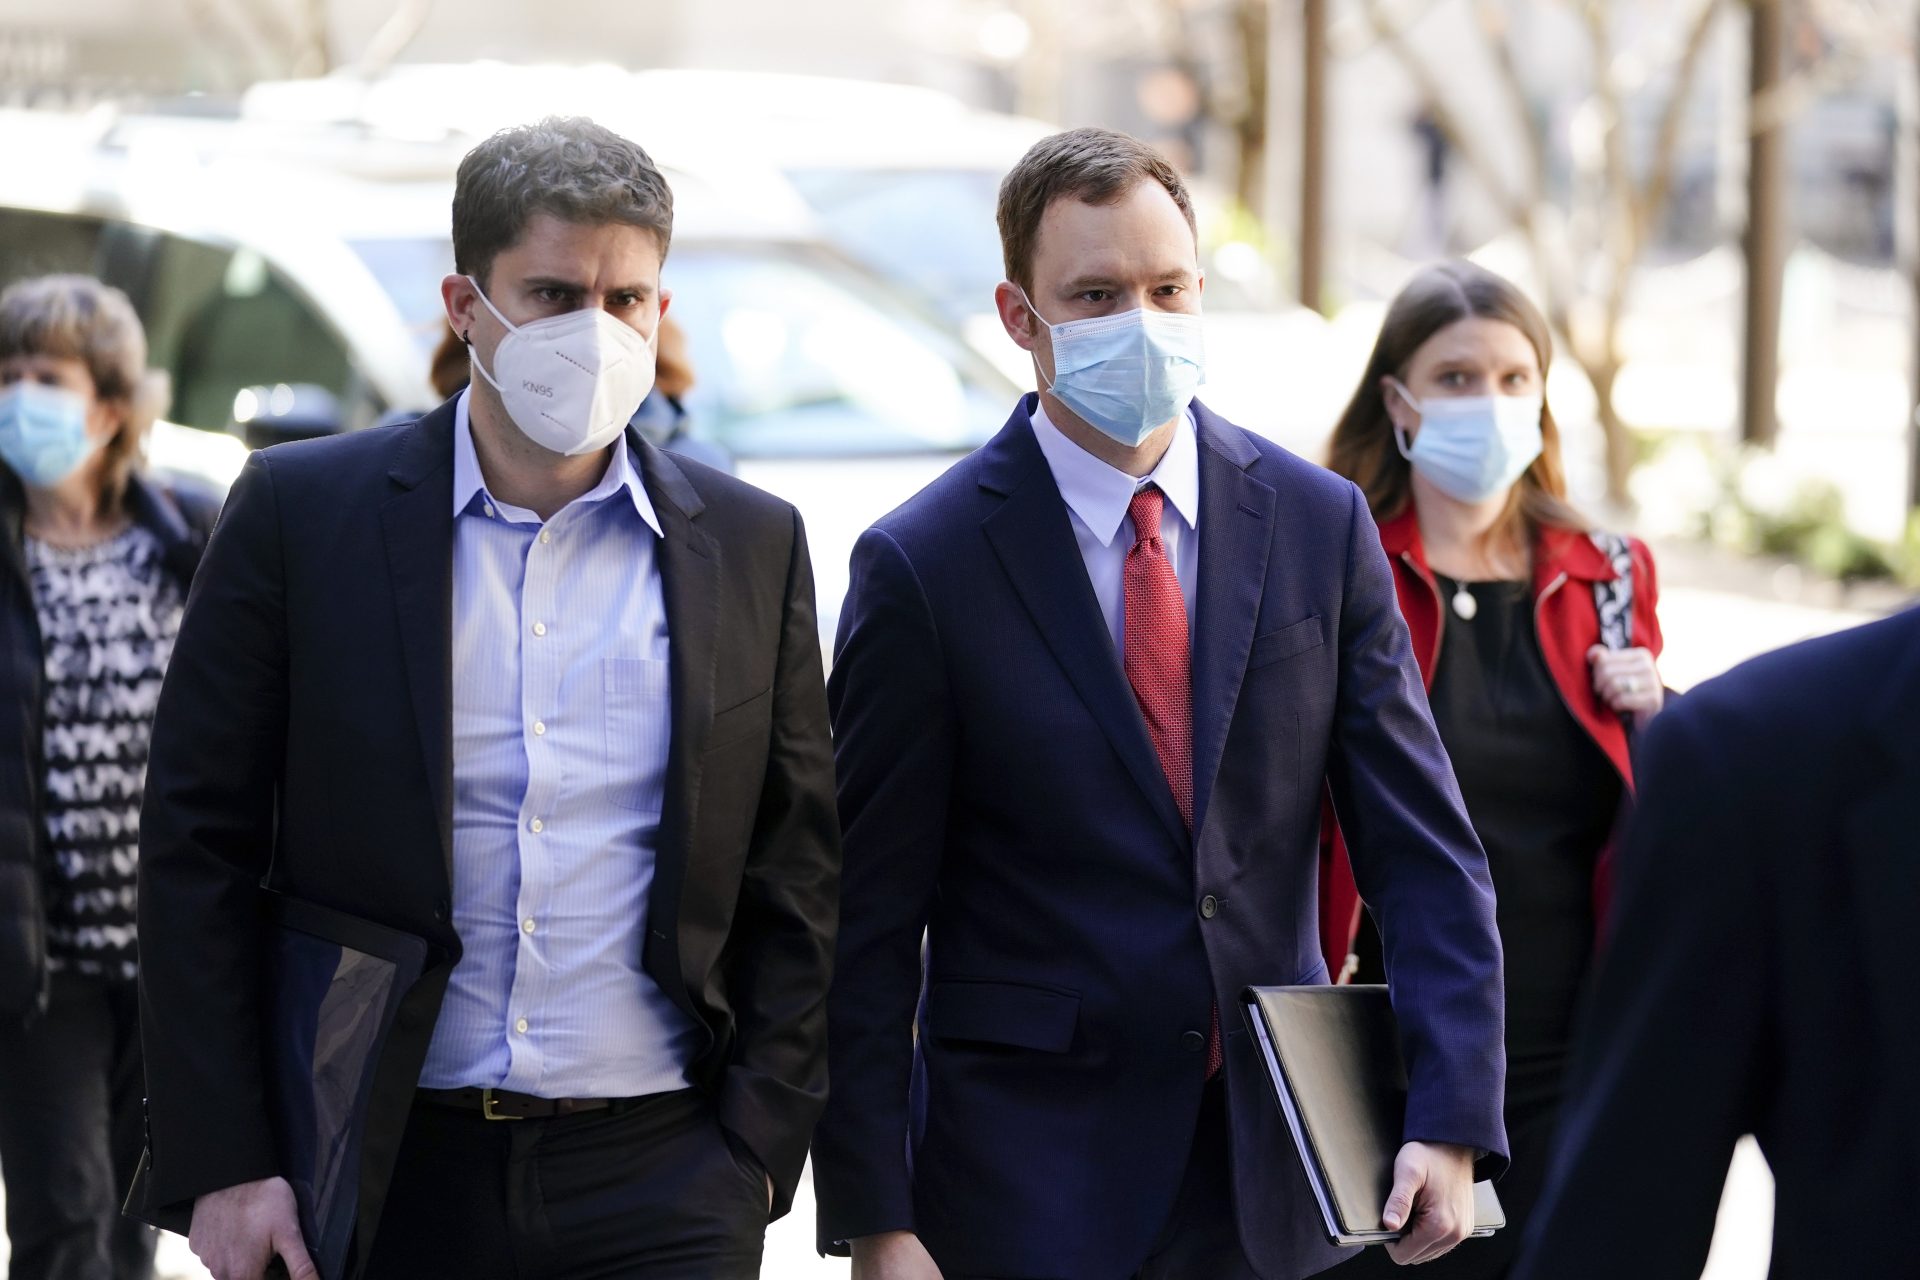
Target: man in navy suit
(1087, 688)
(1758, 977)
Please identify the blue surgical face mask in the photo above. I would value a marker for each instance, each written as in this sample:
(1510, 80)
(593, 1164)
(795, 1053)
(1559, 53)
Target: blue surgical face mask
(1472, 448)
(43, 433)
(1128, 374)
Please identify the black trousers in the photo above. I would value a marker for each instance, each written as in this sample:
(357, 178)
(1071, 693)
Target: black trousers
(71, 1130)
(655, 1192)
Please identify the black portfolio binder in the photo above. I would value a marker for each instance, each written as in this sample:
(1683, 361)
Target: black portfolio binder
(335, 983)
(1332, 1055)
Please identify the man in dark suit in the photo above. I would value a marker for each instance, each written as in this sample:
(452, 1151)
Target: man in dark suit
(513, 680)
(1086, 689)
(1758, 977)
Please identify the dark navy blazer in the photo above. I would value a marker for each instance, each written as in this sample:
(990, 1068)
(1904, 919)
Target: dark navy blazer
(1001, 798)
(1757, 978)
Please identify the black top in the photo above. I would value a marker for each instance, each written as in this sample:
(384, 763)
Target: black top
(1543, 797)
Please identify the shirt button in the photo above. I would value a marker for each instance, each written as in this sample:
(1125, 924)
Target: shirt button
(521, 1027)
(488, 508)
(527, 925)
(1191, 1041)
(539, 728)
(1209, 907)
(539, 628)
(546, 536)
(537, 826)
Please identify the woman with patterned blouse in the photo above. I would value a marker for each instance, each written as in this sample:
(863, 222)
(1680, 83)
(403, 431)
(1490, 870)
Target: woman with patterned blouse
(94, 566)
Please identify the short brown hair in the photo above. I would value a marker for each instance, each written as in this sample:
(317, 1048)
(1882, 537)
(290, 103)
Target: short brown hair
(1096, 166)
(1364, 448)
(569, 167)
(79, 318)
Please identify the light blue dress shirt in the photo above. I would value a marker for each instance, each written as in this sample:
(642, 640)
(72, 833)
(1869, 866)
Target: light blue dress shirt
(560, 744)
(1097, 498)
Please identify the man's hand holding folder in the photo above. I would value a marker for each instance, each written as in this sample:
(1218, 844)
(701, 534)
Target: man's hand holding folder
(1332, 1056)
(238, 1233)
(1432, 1201)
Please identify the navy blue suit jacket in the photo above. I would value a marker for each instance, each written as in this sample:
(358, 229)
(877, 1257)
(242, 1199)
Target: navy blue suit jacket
(1000, 797)
(1758, 977)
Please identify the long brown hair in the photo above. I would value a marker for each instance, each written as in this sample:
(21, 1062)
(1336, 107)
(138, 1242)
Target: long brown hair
(1364, 449)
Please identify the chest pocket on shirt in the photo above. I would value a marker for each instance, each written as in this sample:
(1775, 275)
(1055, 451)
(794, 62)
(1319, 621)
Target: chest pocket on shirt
(635, 705)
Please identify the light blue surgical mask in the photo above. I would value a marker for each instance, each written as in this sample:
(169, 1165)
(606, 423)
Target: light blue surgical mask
(1127, 374)
(1472, 448)
(43, 433)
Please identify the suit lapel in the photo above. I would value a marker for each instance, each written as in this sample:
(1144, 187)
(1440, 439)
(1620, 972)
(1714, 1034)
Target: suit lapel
(1033, 539)
(1236, 536)
(690, 584)
(418, 525)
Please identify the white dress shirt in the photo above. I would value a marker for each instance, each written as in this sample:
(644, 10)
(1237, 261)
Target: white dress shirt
(560, 744)
(1097, 498)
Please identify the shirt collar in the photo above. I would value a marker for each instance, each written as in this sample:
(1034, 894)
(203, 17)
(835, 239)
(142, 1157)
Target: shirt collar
(623, 472)
(1100, 494)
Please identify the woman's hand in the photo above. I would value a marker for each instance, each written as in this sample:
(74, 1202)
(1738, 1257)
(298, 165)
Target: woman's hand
(1628, 681)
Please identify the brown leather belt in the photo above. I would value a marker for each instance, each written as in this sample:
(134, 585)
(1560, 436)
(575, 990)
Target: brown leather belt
(504, 1104)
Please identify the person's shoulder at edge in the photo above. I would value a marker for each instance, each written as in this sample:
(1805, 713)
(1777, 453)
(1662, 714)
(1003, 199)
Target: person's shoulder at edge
(1297, 478)
(920, 525)
(716, 485)
(1814, 694)
(374, 449)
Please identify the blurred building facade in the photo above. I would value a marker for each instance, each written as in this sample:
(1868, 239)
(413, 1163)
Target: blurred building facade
(1183, 72)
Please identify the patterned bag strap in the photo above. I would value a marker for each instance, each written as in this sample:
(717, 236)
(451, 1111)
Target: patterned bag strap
(1614, 600)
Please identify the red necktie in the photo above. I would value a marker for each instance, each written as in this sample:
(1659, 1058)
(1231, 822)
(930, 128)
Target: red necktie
(1160, 669)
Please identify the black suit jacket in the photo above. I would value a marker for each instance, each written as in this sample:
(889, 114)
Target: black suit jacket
(304, 737)
(1758, 978)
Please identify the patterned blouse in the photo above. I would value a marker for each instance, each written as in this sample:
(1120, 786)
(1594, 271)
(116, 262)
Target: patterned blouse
(109, 614)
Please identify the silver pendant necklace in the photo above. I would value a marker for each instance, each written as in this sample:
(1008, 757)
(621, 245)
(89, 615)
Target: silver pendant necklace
(1463, 602)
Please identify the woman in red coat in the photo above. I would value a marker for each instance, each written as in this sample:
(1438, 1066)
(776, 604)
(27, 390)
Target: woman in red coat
(1504, 587)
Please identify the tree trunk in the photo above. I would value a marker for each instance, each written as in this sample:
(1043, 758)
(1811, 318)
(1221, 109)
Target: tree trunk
(1911, 202)
(1313, 157)
(1250, 129)
(1605, 376)
(1766, 238)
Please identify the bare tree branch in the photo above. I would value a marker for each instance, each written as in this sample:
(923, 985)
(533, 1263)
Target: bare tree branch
(1496, 24)
(236, 30)
(1652, 199)
(408, 19)
(1393, 36)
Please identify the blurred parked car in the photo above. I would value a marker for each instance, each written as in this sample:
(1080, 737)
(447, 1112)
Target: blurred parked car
(298, 264)
(903, 179)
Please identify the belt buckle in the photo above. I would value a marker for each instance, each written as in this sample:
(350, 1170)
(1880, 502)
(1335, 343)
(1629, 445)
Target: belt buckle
(487, 1101)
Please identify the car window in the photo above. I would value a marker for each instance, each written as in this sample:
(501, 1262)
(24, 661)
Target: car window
(410, 269)
(37, 244)
(796, 353)
(220, 320)
(932, 229)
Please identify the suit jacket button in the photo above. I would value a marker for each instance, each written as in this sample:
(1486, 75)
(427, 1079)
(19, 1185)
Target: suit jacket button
(440, 911)
(1192, 1041)
(1209, 907)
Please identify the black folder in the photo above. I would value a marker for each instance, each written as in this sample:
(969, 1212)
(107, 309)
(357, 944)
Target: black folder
(335, 983)
(1332, 1055)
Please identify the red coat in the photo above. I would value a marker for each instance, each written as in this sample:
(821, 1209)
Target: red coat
(1566, 565)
